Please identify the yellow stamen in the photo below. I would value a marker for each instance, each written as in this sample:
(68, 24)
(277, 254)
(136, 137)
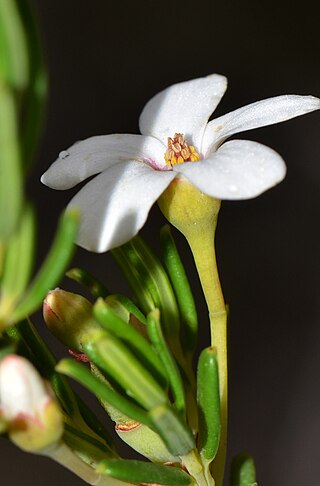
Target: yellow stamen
(179, 151)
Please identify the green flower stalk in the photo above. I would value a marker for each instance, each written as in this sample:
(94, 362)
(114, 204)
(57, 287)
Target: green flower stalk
(195, 214)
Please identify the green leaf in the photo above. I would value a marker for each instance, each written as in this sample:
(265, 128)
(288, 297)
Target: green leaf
(160, 345)
(53, 268)
(90, 450)
(116, 416)
(22, 69)
(141, 347)
(18, 262)
(93, 422)
(137, 284)
(243, 471)
(174, 432)
(181, 287)
(83, 376)
(117, 361)
(33, 103)
(95, 287)
(14, 63)
(127, 308)
(21, 347)
(146, 442)
(208, 404)
(10, 164)
(153, 275)
(144, 472)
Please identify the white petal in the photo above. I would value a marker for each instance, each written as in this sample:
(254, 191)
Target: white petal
(93, 155)
(240, 169)
(255, 115)
(183, 108)
(115, 204)
(22, 390)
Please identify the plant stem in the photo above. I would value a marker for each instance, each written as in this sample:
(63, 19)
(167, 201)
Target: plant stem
(195, 468)
(195, 214)
(201, 241)
(66, 457)
(63, 455)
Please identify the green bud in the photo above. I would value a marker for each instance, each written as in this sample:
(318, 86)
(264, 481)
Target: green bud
(69, 317)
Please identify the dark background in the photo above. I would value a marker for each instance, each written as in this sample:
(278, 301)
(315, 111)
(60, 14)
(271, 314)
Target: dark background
(106, 59)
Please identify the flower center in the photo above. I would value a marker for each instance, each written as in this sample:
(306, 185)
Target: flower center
(180, 151)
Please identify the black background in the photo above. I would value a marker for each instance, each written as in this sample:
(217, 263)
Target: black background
(106, 59)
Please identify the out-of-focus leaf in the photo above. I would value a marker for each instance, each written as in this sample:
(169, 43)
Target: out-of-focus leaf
(18, 263)
(243, 472)
(53, 267)
(10, 173)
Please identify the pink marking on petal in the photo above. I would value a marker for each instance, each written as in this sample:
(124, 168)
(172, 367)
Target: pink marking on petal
(22, 420)
(152, 163)
(11, 359)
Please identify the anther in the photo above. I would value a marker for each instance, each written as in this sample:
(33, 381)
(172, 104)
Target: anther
(179, 151)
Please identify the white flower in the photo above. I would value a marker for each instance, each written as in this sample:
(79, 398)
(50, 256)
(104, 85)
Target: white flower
(133, 172)
(32, 416)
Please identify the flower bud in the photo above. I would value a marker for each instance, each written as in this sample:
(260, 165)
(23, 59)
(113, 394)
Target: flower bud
(69, 317)
(34, 421)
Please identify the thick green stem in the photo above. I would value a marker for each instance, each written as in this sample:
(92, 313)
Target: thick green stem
(201, 241)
